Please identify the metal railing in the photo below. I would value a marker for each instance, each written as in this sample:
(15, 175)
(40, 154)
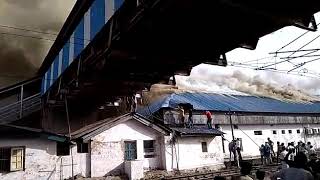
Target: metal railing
(20, 109)
(22, 103)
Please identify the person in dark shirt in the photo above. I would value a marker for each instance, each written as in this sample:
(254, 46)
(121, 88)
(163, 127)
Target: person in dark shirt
(190, 120)
(260, 175)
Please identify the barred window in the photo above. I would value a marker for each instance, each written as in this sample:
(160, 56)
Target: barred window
(82, 147)
(130, 150)
(12, 159)
(204, 146)
(298, 131)
(149, 148)
(63, 149)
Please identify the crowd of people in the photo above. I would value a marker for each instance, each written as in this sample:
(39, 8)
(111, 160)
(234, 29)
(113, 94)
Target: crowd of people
(267, 152)
(296, 161)
(301, 168)
(284, 153)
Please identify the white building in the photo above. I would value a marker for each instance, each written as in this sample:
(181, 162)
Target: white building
(132, 145)
(129, 144)
(27, 153)
(255, 118)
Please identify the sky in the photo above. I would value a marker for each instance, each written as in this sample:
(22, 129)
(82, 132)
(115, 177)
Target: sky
(22, 56)
(240, 76)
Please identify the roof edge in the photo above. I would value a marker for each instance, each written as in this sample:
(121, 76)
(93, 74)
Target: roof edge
(66, 31)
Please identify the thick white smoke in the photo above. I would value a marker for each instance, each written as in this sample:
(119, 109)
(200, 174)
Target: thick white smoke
(234, 80)
(20, 57)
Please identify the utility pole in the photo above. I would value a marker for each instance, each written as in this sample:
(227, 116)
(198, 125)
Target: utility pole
(69, 131)
(230, 118)
(233, 140)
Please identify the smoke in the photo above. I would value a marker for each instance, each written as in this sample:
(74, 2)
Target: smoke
(20, 57)
(157, 91)
(233, 81)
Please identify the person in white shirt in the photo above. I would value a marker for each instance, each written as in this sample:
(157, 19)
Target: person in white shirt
(311, 150)
(282, 157)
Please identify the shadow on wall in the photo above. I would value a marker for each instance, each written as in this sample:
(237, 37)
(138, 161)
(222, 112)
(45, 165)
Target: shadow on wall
(54, 170)
(117, 171)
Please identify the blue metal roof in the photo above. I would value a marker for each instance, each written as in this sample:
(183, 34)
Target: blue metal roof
(237, 103)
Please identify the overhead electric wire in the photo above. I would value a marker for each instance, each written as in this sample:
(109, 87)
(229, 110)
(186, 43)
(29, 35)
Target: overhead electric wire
(34, 37)
(29, 30)
(288, 60)
(27, 36)
(303, 63)
(302, 56)
(296, 73)
(305, 45)
(261, 68)
(282, 52)
(294, 40)
(37, 31)
(267, 57)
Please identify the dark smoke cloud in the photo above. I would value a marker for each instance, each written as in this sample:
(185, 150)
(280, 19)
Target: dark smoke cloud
(20, 57)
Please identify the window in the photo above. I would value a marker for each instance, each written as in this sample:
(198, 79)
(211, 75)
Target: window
(82, 147)
(283, 131)
(314, 131)
(63, 149)
(274, 132)
(298, 131)
(149, 148)
(204, 146)
(290, 131)
(17, 158)
(257, 132)
(11, 159)
(130, 150)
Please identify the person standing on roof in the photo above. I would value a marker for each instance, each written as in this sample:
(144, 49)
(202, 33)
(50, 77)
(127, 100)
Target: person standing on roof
(209, 119)
(181, 115)
(190, 120)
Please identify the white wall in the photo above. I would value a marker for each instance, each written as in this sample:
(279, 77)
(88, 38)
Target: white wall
(41, 161)
(107, 148)
(250, 145)
(80, 164)
(187, 153)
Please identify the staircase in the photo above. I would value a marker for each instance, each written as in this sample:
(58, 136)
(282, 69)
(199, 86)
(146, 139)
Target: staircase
(20, 100)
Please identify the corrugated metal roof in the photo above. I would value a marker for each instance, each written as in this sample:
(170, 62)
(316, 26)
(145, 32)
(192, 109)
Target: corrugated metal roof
(237, 103)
